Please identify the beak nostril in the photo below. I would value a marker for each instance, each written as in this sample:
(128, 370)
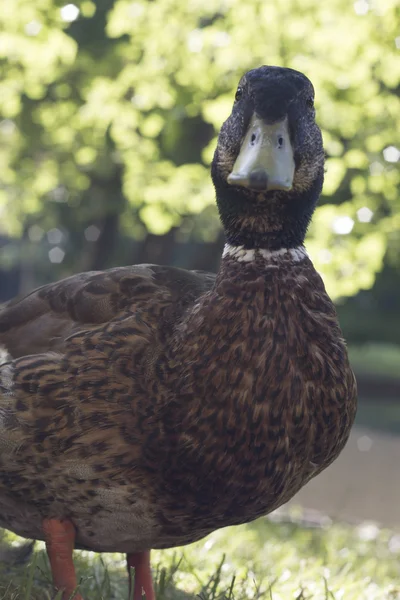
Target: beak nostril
(265, 160)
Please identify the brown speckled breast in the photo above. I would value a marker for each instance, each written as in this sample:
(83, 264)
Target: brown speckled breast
(176, 414)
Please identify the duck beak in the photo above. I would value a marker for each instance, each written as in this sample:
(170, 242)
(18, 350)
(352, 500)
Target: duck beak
(265, 160)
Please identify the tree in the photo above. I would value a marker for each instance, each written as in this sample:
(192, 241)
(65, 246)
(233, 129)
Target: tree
(110, 109)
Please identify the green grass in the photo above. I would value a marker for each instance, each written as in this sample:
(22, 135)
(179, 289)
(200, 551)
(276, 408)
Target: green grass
(263, 560)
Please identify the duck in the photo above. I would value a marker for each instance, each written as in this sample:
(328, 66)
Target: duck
(145, 406)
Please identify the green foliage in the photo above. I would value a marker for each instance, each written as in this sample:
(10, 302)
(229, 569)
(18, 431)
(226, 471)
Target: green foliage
(116, 113)
(263, 560)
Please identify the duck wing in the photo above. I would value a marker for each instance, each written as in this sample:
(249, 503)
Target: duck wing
(78, 401)
(45, 318)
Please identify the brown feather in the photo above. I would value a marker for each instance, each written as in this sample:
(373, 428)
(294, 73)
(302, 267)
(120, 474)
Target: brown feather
(182, 423)
(151, 405)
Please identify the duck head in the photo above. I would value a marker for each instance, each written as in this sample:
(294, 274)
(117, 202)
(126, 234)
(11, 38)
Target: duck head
(268, 167)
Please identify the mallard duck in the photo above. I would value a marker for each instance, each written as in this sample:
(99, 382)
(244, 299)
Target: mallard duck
(146, 406)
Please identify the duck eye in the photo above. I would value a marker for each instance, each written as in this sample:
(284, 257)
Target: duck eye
(239, 93)
(310, 102)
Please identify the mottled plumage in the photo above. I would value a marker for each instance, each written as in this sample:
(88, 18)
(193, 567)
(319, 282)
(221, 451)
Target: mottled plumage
(151, 405)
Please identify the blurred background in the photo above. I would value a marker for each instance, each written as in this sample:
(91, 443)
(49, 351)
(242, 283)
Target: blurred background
(109, 112)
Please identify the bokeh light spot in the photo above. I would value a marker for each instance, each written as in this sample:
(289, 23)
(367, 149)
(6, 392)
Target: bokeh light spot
(391, 154)
(343, 225)
(56, 255)
(69, 13)
(364, 214)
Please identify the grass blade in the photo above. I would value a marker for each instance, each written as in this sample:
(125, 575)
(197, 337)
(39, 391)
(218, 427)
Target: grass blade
(31, 573)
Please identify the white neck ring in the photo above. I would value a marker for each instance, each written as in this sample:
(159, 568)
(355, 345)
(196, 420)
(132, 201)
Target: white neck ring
(242, 254)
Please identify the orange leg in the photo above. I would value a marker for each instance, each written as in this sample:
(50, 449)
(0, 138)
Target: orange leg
(60, 540)
(140, 561)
